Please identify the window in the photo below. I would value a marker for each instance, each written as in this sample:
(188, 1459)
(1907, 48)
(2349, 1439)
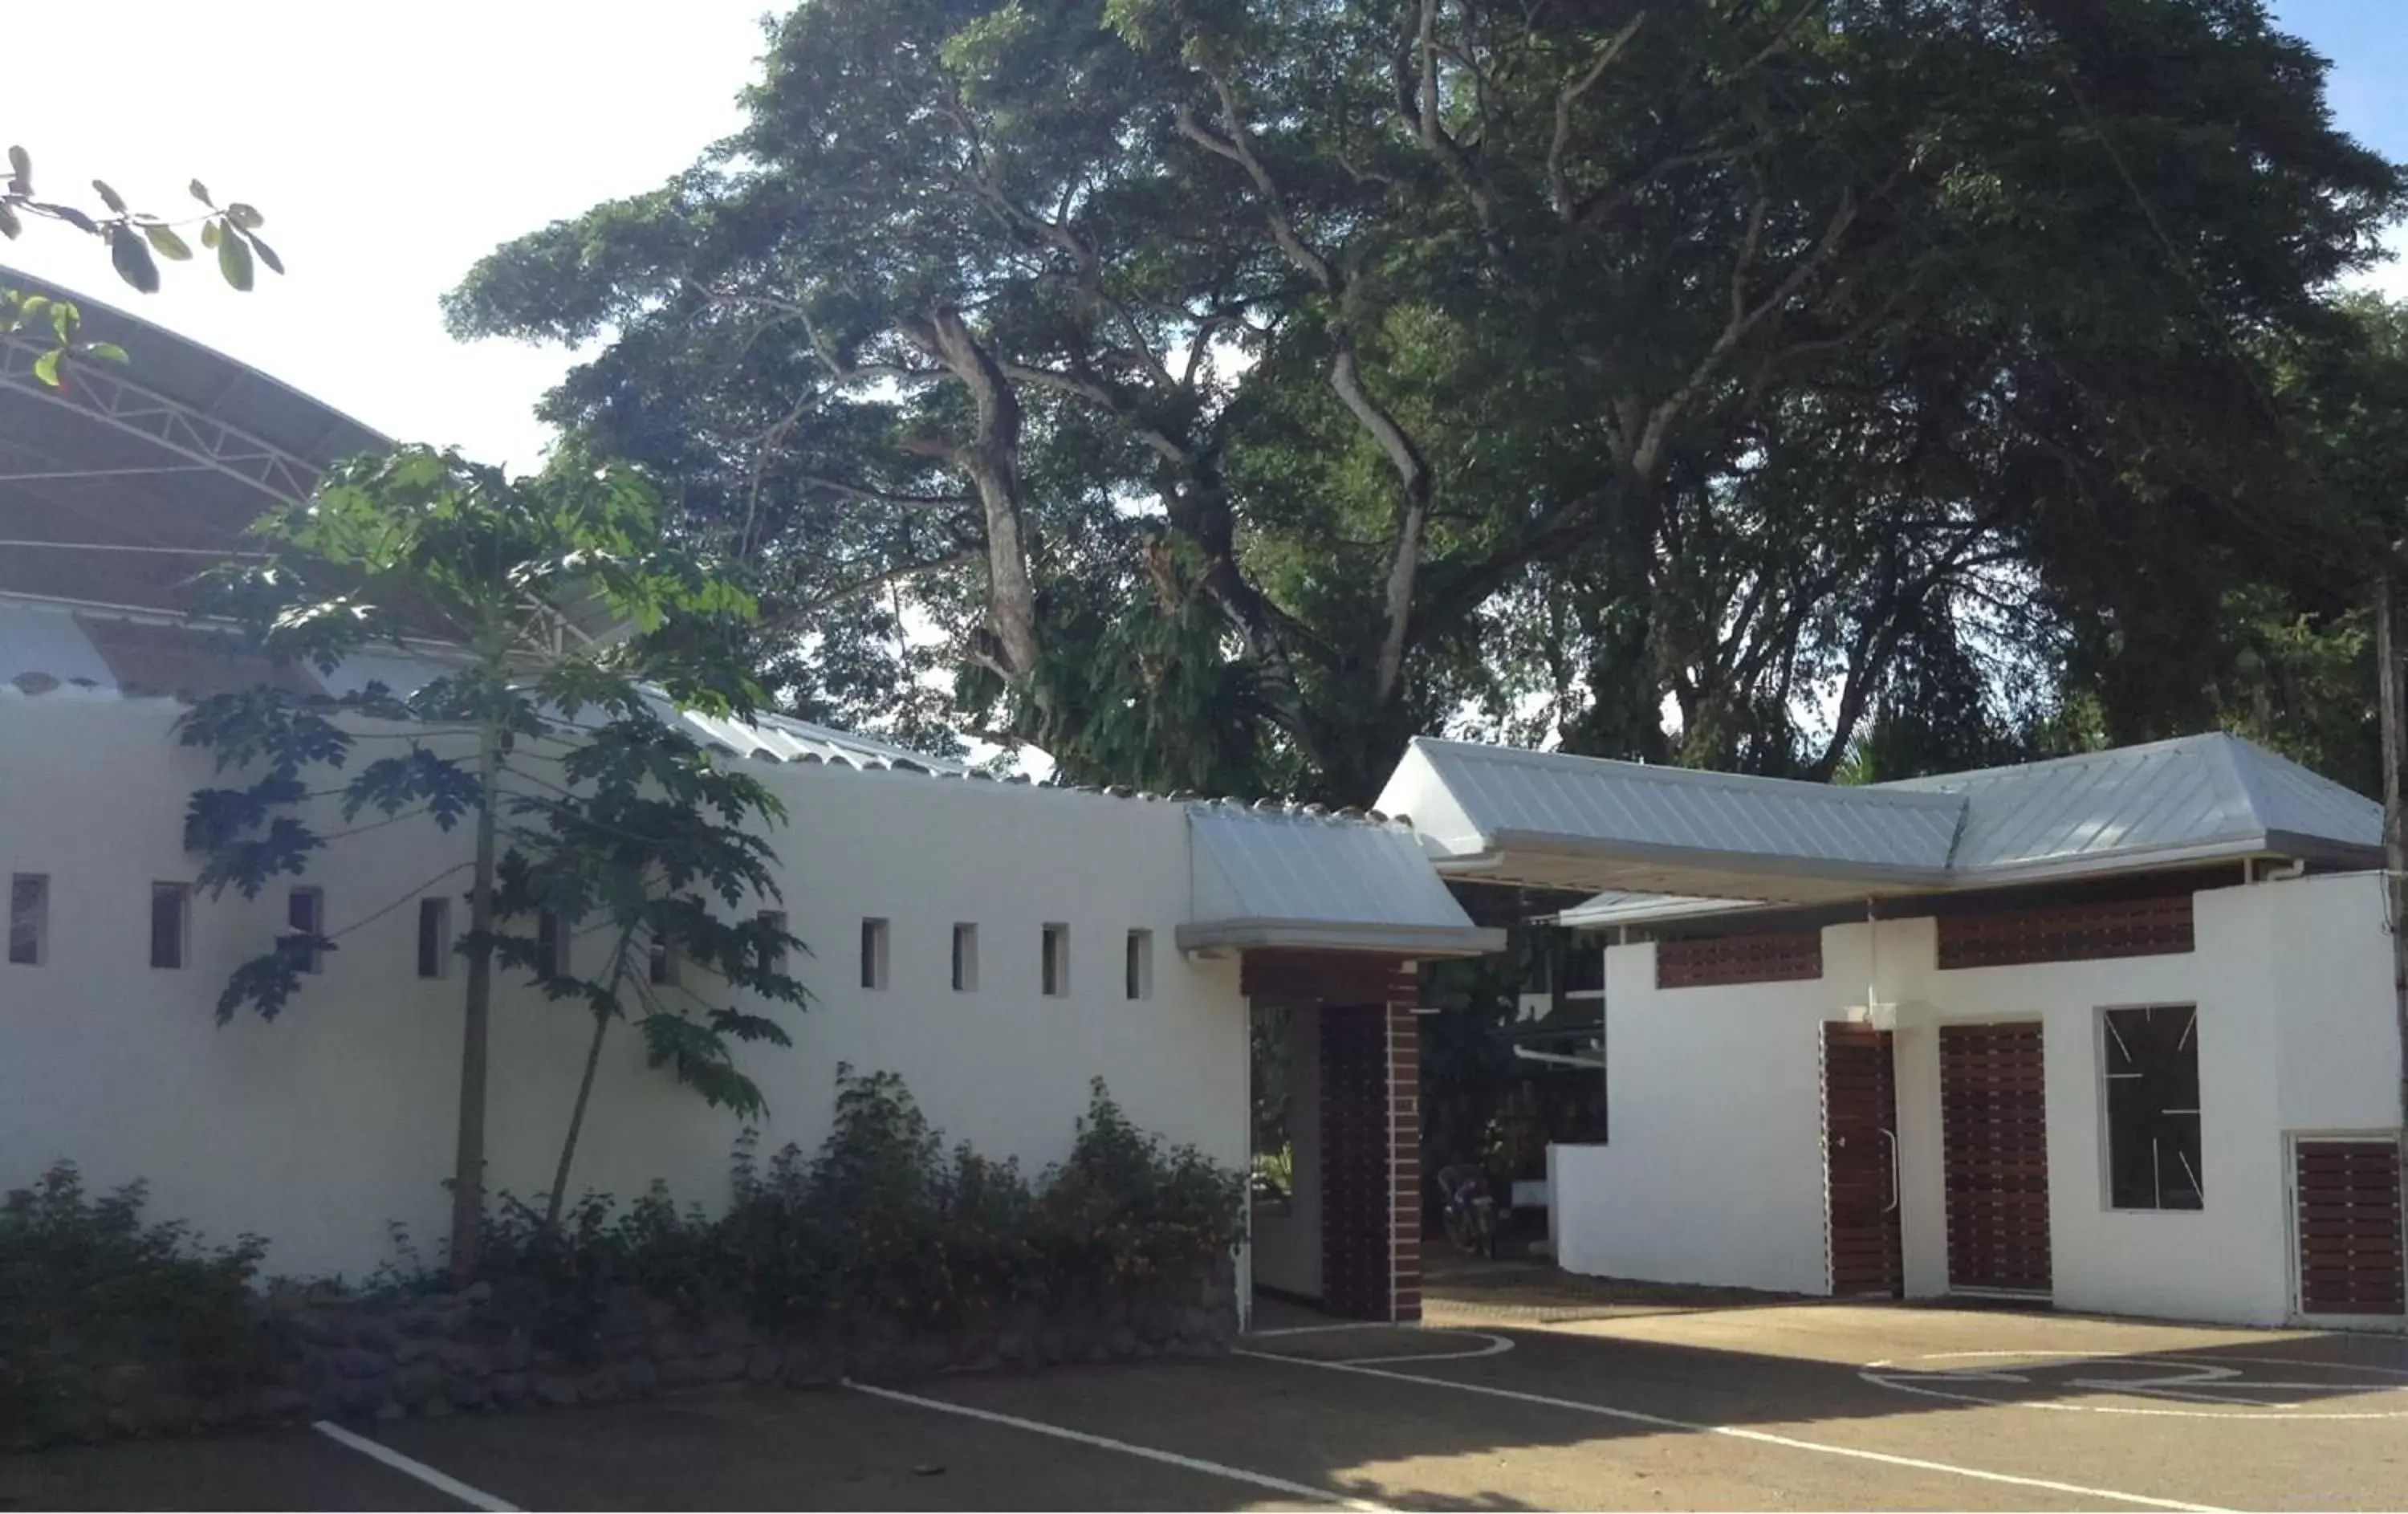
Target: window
(171, 915)
(551, 946)
(2152, 1062)
(966, 958)
(305, 914)
(29, 918)
(434, 937)
(1056, 966)
(773, 954)
(1139, 969)
(873, 954)
(663, 965)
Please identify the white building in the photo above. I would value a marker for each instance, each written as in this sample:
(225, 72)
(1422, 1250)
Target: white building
(2117, 1030)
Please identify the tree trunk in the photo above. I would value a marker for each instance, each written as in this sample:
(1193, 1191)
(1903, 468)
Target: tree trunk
(576, 1122)
(468, 1172)
(2395, 823)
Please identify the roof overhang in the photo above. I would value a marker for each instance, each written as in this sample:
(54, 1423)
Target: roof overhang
(1213, 936)
(1604, 864)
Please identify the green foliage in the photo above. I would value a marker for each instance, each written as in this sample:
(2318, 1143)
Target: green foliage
(85, 1280)
(883, 1220)
(1237, 389)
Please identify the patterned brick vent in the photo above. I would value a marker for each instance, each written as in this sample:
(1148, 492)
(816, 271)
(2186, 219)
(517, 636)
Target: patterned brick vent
(2349, 1228)
(1779, 957)
(1370, 1161)
(2067, 933)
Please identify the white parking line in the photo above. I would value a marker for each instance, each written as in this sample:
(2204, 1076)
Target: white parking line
(1762, 1437)
(1192, 1463)
(440, 1483)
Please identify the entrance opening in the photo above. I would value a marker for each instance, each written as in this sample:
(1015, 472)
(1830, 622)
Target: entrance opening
(1860, 1163)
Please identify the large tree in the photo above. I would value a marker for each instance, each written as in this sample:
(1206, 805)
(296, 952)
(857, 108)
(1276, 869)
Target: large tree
(1230, 388)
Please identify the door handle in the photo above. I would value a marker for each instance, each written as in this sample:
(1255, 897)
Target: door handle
(1891, 1136)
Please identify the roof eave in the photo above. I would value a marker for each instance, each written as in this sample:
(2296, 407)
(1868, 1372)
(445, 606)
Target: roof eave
(1339, 935)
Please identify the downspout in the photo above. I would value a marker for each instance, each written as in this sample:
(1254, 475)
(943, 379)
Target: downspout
(2395, 824)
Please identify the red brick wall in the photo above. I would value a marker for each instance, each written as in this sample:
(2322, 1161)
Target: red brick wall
(1370, 1161)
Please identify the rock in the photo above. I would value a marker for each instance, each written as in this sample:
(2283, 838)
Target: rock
(123, 1383)
(811, 1366)
(454, 1320)
(359, 1399)
(726, 1366)
(1121, 1341)
(659, 1314)
(415, 1350)
(461, 1391)
(322, 1327)
(420, 1322)
(275, 1404)
(388, 1411)
(668, 1340)
(356, 1364)
(555, 1387)
(127, 1419)
(217, 1413)
(641, 1377)
(597, 1386)
(463, 1356)
(508, 1390)
(418, 1382)
(517, 1352)
(476, 1293)
(1053, 1344)
(679, 1372)
(437, 1407)
(374, 1334)
(173, 1411)
(762, 1364)
(721, 1333)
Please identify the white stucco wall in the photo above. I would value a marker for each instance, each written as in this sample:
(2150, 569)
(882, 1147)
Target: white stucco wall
(1714, 1171)
(319, 1129)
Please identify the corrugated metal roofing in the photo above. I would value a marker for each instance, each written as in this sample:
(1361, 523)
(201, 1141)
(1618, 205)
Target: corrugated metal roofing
(1280, 877)
(47, 645)
(1644, 833)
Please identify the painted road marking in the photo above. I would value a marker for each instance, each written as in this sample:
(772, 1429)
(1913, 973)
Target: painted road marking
(1497, 1346)
(2219, 1388)
(449, 1485)
(1151, 1453)
(1324, 1329)
(1762, 1437)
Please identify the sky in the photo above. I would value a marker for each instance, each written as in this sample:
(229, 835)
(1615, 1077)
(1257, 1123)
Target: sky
(390, 146)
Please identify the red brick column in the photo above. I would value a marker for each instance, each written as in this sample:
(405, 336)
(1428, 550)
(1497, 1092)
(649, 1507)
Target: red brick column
(1404, 1035)
(1370, 1161)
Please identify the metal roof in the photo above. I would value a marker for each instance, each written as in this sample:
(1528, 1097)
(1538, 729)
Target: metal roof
(1290, 878)
(121, 485)
(48, 648)
(1662, 843)
(1550, 819)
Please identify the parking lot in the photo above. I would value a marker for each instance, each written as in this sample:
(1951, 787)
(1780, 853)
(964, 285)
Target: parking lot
(1507, 1399)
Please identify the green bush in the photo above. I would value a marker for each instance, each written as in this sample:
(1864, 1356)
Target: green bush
(85, 1283)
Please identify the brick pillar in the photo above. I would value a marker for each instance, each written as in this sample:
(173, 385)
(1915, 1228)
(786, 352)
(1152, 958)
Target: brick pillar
(1370, 1161)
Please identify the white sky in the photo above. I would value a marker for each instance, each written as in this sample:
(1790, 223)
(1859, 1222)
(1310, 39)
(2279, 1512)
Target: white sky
(389, 146)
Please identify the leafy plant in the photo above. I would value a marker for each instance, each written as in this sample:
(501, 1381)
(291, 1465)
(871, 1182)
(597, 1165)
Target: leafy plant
(565, 616)
(83, 1279)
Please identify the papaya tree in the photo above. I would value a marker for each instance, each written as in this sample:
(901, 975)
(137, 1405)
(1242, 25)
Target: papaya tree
(559, 622)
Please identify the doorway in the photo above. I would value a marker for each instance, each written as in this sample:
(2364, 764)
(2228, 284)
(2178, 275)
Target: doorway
(1860, 1163)
(1994, 1142)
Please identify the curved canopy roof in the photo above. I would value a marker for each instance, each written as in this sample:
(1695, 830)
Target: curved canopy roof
(120, 486)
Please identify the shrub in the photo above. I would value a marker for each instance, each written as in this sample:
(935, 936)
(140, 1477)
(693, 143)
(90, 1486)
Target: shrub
(85, 1283)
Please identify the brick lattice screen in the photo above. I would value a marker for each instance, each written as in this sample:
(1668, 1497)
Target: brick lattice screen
(1370, 1161)
(2350, 1260)
(2067, 933)
(1774, 957)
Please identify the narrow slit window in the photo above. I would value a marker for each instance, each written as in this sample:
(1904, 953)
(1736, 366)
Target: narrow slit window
(434, 938)
(965, 959)
(305, 916)
(1055, 964)
(171, 920)
(29, 918)
(873, 954)
(1139, 972)
(551, 946)
(773, 954)
(2151, 1056)
(662, 967)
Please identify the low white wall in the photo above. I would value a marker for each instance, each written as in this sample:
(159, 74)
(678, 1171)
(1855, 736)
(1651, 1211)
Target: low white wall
(1714, 1170)
(318, 1130)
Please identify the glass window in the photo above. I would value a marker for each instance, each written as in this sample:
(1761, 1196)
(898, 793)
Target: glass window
(663, 965)
(1140, 964)
(551, 946)
(773, 957)
(29, 918)
(2153, 1140)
